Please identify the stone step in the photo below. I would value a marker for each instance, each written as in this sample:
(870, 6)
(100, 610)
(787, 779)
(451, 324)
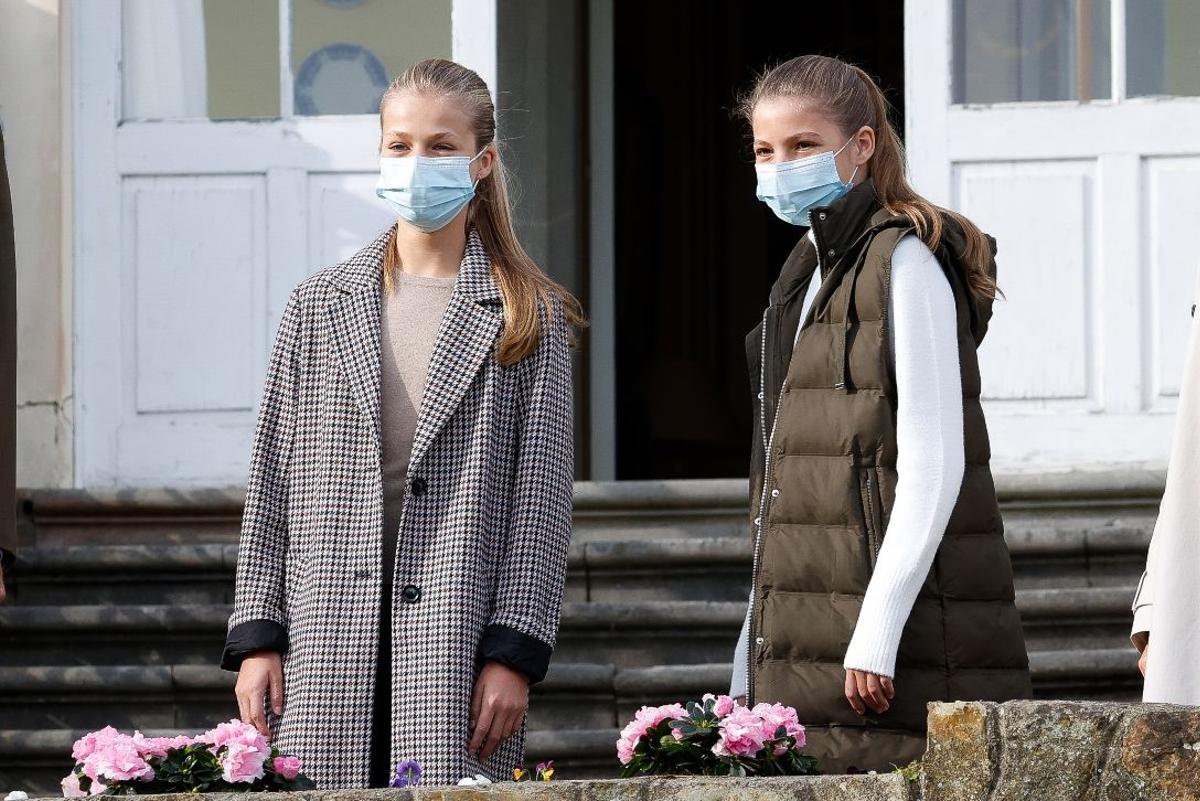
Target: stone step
(630, 633)
(1075, 552)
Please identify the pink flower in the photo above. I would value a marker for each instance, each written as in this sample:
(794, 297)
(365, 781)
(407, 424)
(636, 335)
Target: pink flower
(243, 763)
(288, 767)
(775, 715)
(70, 786)
(723, 706)
(116, 759)
(645, 719)
(97, 788)
(233, 731)
(158, 746)
(86, 745)
(242, 750)
(741, 734)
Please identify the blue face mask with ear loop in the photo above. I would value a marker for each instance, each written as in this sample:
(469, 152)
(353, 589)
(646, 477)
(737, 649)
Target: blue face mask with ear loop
(427, 191)
(794, 188)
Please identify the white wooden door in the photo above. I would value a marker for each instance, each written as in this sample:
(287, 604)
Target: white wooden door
(223, 150)
(1070, 130)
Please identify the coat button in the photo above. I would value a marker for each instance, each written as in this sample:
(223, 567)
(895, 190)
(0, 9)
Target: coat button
(411, 593)
(418, 486)
(831, 252)
(821, 216)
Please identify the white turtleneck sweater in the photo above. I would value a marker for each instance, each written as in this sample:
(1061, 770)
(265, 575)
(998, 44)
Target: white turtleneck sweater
(929, 461)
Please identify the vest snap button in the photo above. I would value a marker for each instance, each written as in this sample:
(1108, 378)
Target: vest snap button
(758, 640)
(760, 396)
(831, 252)
(758, 521)
(775, 493)
(821, 215)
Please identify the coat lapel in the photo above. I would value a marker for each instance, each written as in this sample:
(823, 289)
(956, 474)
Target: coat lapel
(354, 320)
(468, 332)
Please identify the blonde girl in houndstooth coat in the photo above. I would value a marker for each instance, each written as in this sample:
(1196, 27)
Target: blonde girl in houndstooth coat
(408, 509)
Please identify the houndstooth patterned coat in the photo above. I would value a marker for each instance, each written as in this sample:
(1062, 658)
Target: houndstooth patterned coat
(483, 533)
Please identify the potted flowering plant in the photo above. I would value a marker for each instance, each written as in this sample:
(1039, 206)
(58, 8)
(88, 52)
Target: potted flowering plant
(233, 756)
(715, 736)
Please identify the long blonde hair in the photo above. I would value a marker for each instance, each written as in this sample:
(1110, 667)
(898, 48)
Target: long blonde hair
(853, 100)
(524, 288)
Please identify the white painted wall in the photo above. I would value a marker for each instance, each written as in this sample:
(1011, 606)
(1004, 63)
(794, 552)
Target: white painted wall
(32, 111)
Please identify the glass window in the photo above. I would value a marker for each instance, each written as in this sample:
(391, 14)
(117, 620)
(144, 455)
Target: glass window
(345, 52)
(200, 58)
(1031, 50)
(221, 58)
(1162, 47)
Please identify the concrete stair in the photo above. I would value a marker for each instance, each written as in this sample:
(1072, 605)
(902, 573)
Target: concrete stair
(125, 627)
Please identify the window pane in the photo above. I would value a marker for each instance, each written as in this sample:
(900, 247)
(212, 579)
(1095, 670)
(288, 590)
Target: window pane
(1162, 47)
(345, 52)
(1031, 50)
(200, 58)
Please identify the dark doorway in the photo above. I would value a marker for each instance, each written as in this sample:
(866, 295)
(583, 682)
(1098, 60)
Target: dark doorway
(696, 253)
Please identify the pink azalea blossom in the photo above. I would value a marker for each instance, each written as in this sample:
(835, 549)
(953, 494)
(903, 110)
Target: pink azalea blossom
(741, 734)
(87, 745)
(775, 715)
(288, 767)
(97, 788)
(243, 763)
(645, 719)
(158, 746)
(724, 705)
(70, 786)
(117, 759)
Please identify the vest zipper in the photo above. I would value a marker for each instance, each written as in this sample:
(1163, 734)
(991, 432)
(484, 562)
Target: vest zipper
(768, 442)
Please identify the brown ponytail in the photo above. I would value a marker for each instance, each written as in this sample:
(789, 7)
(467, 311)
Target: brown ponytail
(851, 98)
(525, 289)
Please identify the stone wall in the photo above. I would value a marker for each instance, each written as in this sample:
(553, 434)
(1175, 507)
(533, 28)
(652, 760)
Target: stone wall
(1061, 751)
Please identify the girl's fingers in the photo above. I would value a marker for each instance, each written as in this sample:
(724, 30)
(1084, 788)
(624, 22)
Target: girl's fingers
(860, 680)
(852, 693)
(276, 679)
(875, 689)
(476, 702)
(483, 724)
(889, 687)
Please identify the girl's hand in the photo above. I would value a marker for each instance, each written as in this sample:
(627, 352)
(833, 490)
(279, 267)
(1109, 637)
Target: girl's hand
(865, 690)
(497, 708)
(1144, 659)
(261, 673)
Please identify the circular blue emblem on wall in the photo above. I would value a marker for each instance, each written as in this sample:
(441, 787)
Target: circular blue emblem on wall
(340, 78)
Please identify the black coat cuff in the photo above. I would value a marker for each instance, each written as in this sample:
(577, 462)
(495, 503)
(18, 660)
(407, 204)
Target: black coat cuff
(517, 650)
(253, 635)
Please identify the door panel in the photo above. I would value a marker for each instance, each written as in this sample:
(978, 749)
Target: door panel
(1089, 200)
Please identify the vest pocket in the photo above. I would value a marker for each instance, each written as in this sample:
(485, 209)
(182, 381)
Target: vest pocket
(872, 511)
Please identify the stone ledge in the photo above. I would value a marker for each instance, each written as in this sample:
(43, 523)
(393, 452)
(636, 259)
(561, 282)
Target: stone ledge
(883, 787)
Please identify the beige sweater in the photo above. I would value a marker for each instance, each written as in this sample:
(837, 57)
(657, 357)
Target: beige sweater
(411, 315)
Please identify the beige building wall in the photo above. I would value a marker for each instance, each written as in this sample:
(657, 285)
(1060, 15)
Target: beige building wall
(32, 112)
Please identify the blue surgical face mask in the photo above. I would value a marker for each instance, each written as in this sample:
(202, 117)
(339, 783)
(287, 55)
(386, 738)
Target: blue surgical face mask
(427, 191)
(794, 188)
